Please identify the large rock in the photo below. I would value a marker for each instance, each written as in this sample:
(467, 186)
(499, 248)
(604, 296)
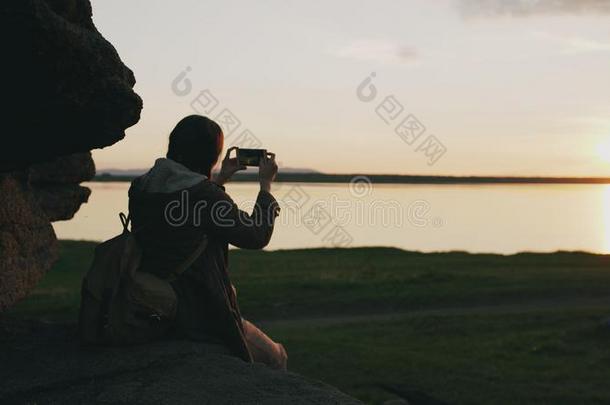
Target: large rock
(56, 184)
(42, 364)
(28, 246)
(45, 192)
(66, 92)
(66, 87)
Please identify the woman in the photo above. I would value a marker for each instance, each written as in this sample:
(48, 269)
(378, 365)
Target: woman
(175, 206)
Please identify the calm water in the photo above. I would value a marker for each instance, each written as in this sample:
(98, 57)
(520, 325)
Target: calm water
(475, 218)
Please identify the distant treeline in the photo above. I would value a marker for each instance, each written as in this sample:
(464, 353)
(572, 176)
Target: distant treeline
(397, 179)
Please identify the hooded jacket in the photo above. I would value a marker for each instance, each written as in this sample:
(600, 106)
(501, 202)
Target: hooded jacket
(172, 208)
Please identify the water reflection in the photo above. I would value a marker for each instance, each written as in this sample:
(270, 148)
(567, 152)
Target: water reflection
(490, 218)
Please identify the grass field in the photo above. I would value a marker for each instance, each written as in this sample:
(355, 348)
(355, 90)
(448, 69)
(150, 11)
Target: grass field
(384, 323)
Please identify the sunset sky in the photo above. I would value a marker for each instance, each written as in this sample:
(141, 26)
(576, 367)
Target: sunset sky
(507, 87)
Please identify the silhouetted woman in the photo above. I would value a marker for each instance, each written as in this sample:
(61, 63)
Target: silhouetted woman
(174, 206)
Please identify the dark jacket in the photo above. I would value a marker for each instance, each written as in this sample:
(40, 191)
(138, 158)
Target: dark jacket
(171, 209)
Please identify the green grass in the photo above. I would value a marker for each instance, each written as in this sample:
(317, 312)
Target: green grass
(469, 328)
(537, 357)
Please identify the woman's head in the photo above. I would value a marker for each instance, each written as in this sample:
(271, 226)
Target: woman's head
(196, 142)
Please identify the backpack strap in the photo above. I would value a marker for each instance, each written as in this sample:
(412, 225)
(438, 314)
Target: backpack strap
(190, 260)
(125, 219)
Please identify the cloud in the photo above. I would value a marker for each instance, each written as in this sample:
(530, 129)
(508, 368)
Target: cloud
(526, 8)
(380, 51)
(573, 44)
(585, 45)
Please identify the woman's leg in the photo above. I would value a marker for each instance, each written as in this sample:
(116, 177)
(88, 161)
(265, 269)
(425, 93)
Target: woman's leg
(263, 348)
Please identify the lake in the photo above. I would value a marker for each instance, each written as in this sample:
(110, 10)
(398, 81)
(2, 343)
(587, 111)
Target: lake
(475, 218)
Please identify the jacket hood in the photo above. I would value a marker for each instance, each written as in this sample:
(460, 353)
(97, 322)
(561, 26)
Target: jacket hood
(167, 176)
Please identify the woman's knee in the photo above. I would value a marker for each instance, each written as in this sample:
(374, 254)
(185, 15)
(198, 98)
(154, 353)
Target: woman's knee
(282, 357)
(263, 348)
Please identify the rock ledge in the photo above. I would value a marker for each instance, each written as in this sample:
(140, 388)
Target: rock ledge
(43, 364)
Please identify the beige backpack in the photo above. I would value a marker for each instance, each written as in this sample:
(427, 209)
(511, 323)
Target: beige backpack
(119, 304)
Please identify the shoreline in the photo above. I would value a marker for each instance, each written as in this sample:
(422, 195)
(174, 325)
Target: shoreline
(392, 179)
(401, 250)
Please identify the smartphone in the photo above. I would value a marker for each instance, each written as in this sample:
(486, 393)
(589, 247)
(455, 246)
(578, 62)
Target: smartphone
(250, 157)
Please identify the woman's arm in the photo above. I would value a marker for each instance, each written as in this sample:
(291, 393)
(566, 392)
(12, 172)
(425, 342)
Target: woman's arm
(226, 221)
(249, 231)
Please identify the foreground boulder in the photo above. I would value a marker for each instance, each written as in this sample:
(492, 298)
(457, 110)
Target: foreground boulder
(66, 88)
(66, 92)
(43, 364)
(44, 192)
(28, 247)
(56, 184)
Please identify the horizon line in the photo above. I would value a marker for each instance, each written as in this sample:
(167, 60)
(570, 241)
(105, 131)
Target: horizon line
(313, 177)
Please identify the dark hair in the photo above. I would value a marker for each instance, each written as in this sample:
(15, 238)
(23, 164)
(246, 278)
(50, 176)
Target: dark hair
(196, 142)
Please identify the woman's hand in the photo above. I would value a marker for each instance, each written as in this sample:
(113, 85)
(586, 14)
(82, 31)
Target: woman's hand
(228, 168)
(267, 171)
